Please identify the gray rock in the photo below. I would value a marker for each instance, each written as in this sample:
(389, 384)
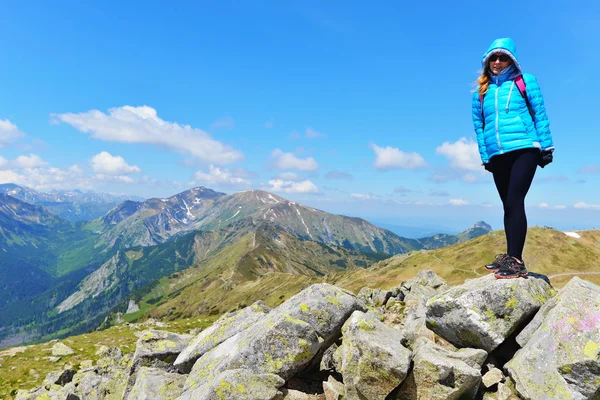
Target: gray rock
(374, 297)
(61, 350)
(156, 384)
(290, 394)
(425, 278)
(325, 307)
(561, 354)
(59, 378)
(333, 389)
(285, 341)
(238, 384)
(374, 362)
(224, 328)
(328, 362)
(277, 345)
(158, 349)
(441, 374)
(492, 377)
(483, 312)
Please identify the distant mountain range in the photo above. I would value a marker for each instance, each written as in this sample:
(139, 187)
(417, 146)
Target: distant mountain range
(72, 205)
(54, 272)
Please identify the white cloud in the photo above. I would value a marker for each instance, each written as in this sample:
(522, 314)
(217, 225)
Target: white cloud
(30, 161)
(283, 160)
(362, 196)
(3, 162)
(223, 123)
(8, 132)
(279, 185)
(220, 176)
(560, 207)
(459, 202)
(106, 164)
(544, 205)
(462, 154)
(586, 206)
(290, 176)
(392, 158)
(47, 178)
(114, 178)
(548, 206)
(129, 124)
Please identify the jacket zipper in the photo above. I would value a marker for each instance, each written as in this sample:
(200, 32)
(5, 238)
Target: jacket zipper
(497, 118)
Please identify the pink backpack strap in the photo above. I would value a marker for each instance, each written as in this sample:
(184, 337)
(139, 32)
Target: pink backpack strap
(521, 85)
(520, 82)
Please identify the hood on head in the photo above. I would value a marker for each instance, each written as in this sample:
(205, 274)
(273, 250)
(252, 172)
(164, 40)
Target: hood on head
(503, 45)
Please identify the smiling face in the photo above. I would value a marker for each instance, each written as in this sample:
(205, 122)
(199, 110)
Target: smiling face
(499, 61)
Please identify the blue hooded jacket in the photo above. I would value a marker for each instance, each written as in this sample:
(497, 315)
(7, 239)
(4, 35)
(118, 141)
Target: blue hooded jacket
(508, 124)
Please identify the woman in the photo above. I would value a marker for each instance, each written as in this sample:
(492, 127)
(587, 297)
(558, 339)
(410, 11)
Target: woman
(513, 136)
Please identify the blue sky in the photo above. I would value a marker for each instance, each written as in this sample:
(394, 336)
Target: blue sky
(354, 107)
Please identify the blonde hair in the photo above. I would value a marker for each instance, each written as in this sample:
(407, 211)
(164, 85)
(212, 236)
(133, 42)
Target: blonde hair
(484, 82)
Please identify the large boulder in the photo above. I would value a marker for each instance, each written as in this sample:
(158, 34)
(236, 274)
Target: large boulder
(373, 360)
(156, 384)
(560, 358)
(224, 328)
(238, 384)
(483, 312)
(441, 374)
(283, 342)
(156, 348)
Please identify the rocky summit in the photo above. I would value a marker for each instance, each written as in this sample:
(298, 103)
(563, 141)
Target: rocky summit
(485, 339)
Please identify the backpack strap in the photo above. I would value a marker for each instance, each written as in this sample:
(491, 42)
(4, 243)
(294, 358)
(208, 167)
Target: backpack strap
(520, 82)
(482, 115)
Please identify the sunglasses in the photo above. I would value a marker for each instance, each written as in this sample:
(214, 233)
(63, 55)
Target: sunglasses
(501, 57)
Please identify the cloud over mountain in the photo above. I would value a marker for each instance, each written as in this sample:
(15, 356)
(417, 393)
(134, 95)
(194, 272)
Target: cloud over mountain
(130, 124)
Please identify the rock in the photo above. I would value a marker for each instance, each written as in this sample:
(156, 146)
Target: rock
(374, 362)
(325, 307)
(86, 364)
(560, 358)
(333, 389)
(374, 297)
(441, 374)
(504, 392)
(224, 328)
(492, 377)
(158, 349)
(113, 353)
(291, 394)
(278, 344)
(483, 312)
(238, 384)
(156, 384)
(425, 278)
(285, 340)
(59, 378)
(328, 362)
(61, 350)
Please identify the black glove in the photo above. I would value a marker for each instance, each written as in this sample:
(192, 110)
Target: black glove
(546, 157)
(488, 167)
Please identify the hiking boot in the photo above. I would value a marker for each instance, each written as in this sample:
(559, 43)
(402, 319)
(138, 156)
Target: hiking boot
(510, 269)
(497, 263)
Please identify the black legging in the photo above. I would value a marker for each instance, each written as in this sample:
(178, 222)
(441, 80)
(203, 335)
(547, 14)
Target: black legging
(513, 174)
